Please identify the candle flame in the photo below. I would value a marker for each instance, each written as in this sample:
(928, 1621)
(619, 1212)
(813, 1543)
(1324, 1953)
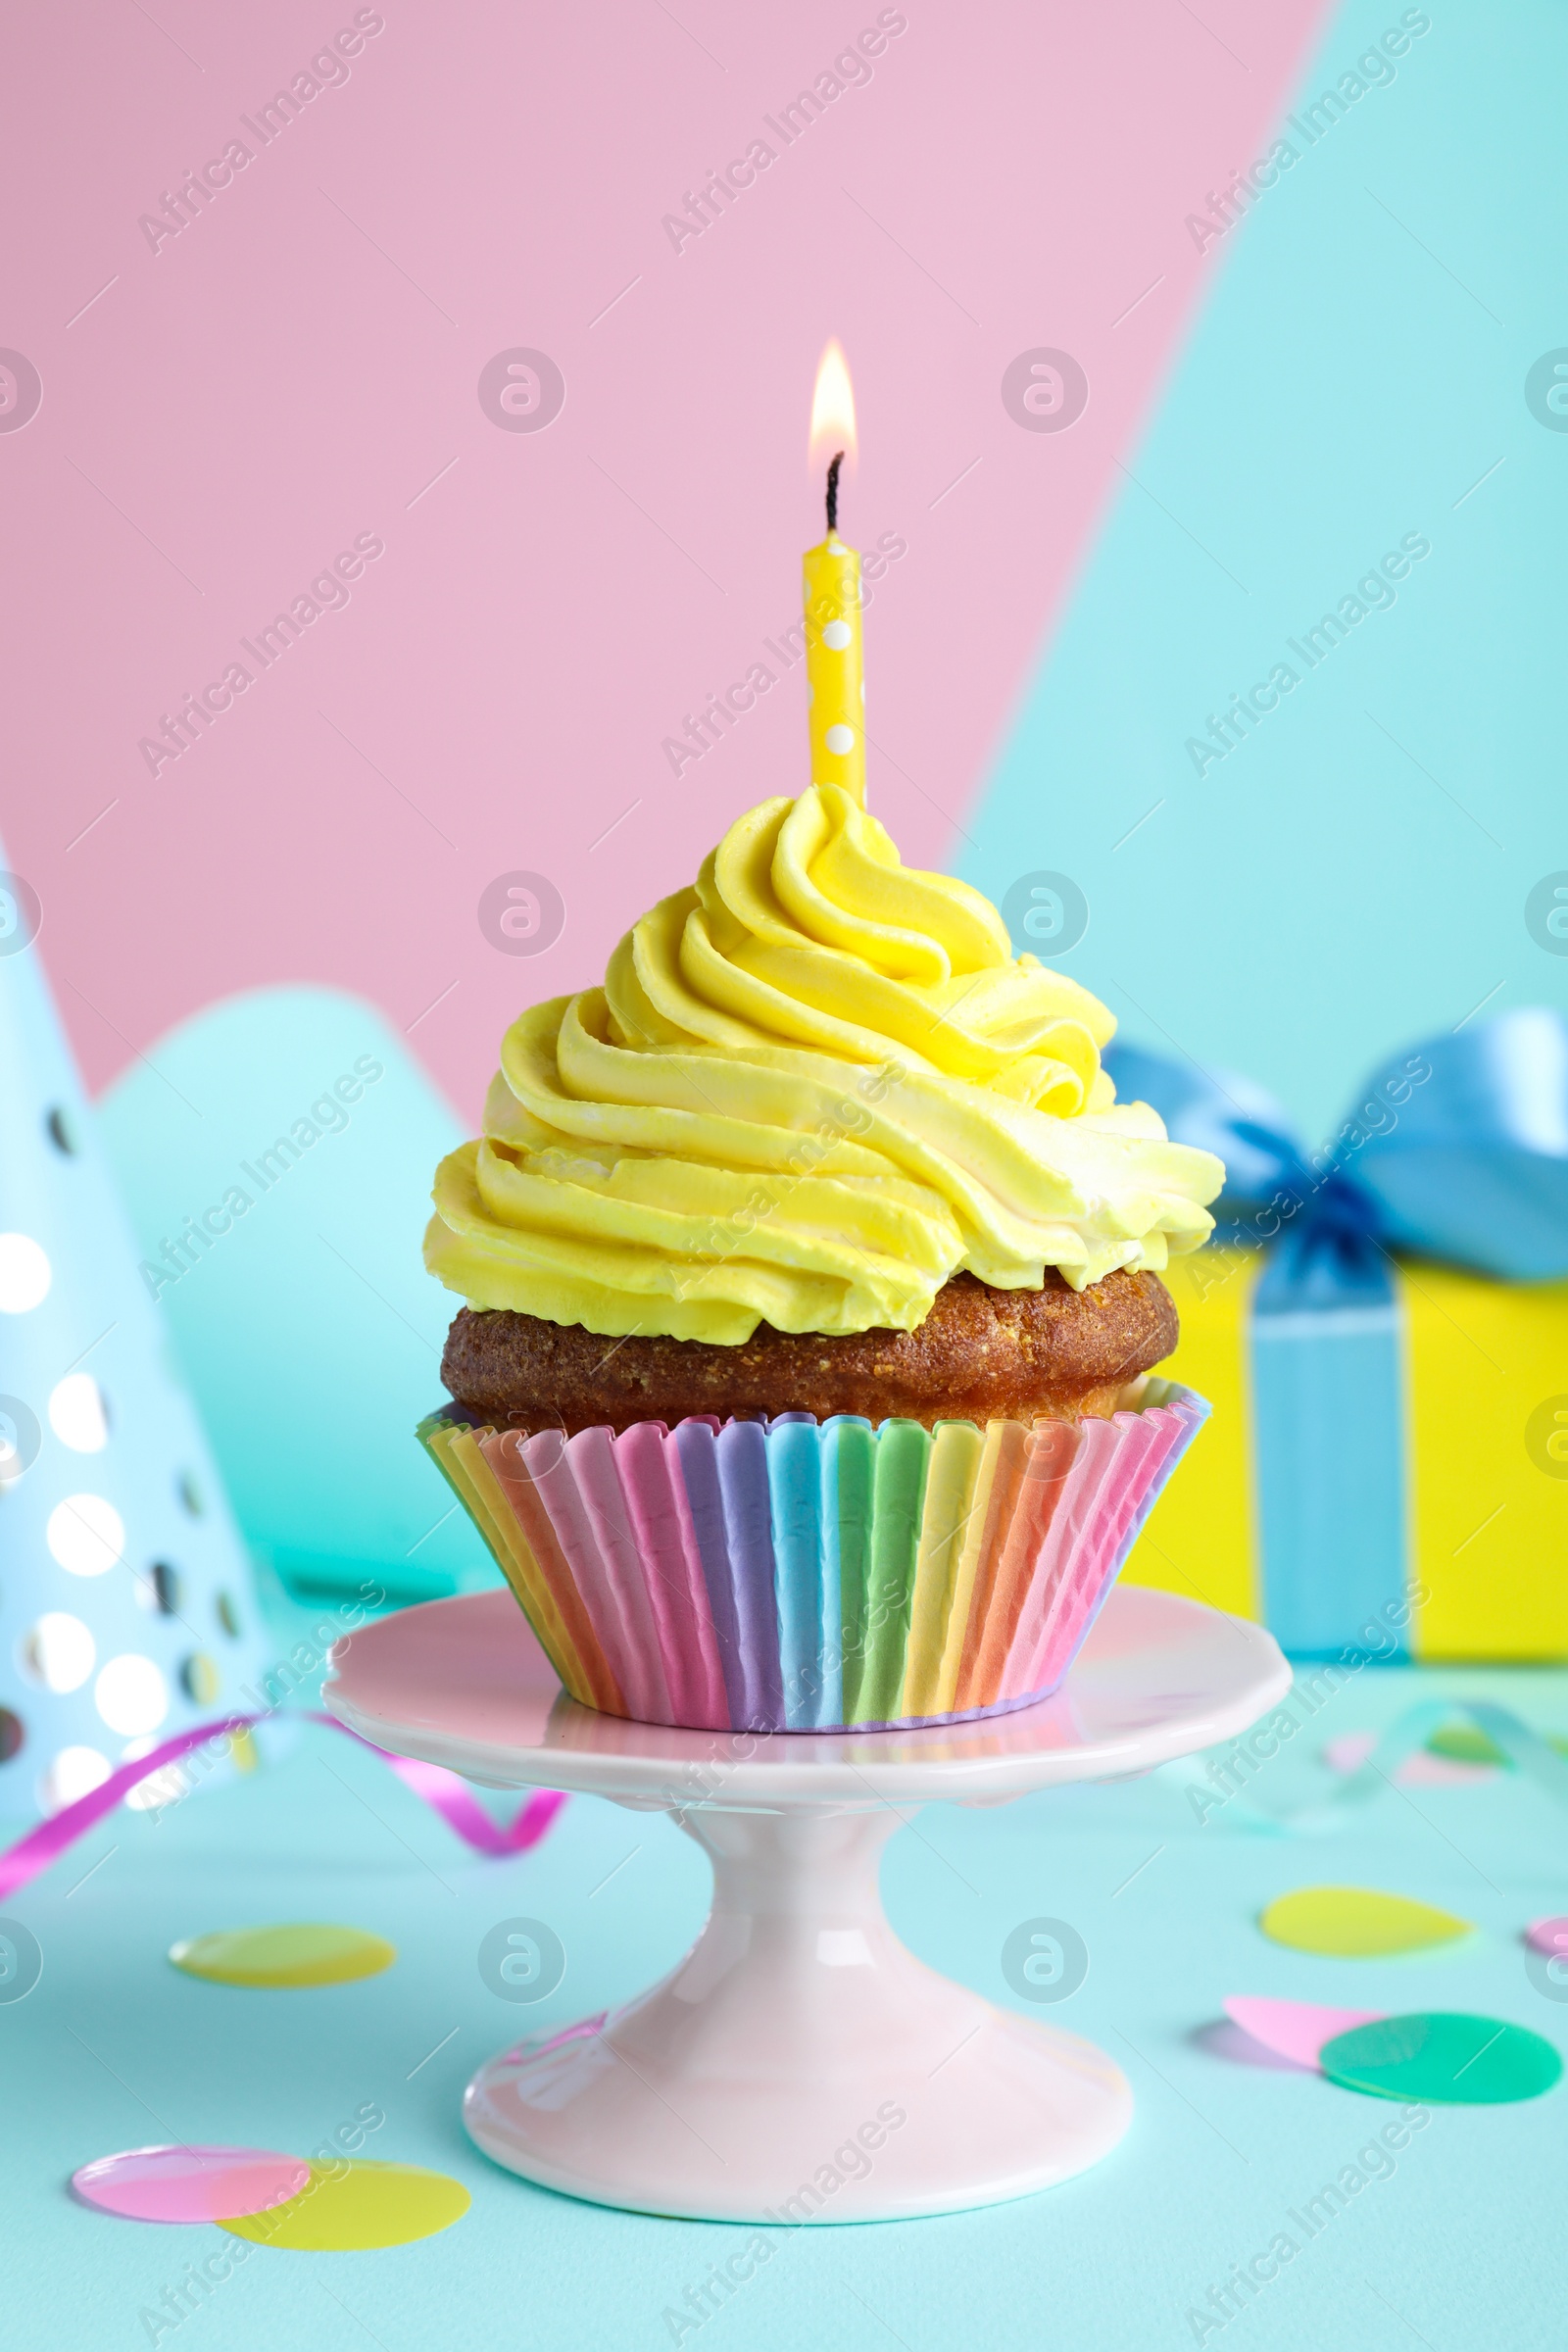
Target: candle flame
(832, 408)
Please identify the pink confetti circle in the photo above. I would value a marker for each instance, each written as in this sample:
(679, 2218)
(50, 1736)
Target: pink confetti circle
(1294, 2029)
(1548, 1935)
(190, 2184)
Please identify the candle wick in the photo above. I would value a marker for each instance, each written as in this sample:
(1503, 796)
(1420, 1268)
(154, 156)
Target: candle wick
(833, 492)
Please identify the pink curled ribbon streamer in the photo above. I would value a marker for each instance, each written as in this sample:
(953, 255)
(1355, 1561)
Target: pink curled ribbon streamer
(444, 1792)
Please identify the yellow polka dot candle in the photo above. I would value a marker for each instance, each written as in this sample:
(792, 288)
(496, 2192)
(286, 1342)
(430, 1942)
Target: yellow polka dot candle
(835, 679)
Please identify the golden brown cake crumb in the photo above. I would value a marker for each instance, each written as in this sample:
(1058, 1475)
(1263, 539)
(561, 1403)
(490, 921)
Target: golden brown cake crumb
(981, 1354)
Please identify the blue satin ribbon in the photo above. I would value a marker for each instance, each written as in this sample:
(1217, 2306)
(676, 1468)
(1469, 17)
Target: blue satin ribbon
(1212, 1796)
(1457, 1151)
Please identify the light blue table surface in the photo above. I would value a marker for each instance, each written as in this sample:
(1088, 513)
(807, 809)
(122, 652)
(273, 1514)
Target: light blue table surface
(1462, 2246)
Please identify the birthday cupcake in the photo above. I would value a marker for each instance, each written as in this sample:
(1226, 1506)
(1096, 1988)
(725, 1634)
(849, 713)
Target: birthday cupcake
(811, 1273)
(811, 1281)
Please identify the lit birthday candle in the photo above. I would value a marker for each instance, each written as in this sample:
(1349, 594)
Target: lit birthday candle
(834, 676)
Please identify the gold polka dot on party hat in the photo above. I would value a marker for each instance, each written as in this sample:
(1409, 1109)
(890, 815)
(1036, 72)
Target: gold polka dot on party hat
(200, 1677)
(296, 1954)
(347, 2208)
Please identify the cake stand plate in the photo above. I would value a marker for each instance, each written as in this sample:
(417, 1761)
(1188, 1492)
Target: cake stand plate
(800, 2064)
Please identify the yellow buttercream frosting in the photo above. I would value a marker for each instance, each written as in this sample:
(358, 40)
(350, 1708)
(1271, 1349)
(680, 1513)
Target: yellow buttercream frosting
(810, 1090)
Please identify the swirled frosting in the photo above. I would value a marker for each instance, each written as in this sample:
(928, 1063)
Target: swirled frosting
(810, 1090)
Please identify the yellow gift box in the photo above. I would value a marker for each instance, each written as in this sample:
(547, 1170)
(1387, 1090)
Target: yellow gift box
(1485, 1559)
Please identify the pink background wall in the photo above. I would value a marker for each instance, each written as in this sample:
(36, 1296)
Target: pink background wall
(300, 365)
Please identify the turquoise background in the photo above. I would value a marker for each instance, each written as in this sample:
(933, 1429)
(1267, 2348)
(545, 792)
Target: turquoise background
(1317, 901)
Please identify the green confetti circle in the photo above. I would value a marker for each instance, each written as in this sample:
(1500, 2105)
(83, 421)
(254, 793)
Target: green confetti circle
(1443, 2056)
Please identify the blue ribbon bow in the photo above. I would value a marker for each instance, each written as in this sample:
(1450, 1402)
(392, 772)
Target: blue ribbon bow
(1457, 1151)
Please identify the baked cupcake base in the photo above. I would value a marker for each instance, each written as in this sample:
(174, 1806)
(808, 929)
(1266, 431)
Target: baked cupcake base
(981, 1355)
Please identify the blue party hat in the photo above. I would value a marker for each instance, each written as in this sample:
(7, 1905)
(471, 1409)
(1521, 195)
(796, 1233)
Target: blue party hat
(126, 1610)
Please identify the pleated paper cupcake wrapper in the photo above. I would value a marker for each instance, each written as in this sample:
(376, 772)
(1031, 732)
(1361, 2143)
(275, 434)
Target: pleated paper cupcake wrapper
(797, 1576)
(801, 1576)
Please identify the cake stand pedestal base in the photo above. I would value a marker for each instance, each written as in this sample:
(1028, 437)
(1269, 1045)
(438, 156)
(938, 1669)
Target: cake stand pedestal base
(800, 2064)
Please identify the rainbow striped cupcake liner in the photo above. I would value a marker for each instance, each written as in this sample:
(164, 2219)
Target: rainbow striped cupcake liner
(799, 1576)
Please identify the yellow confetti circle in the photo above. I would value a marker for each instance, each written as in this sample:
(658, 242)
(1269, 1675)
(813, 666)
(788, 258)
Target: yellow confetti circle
(1357, 1922)
(296, 1954)
(347, 2208)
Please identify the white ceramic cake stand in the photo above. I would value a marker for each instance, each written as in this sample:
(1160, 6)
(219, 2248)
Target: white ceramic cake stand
(798, 2044)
